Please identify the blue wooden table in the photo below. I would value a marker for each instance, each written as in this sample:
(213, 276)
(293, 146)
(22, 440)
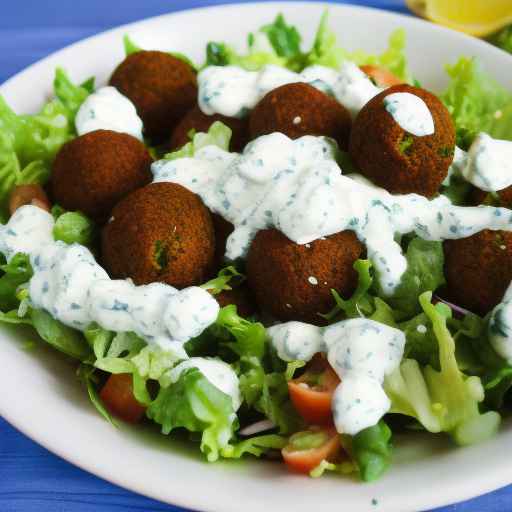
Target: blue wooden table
(31, 478)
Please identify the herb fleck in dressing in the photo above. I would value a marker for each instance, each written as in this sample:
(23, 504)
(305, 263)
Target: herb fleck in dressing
(362, 352)
(108, 109)
(233, 91)
(74, 289)
(297, 187)
(410, 112)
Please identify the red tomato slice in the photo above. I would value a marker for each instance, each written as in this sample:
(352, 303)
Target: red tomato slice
(307, 449)
(117, 395)
(311, 393)
(381, 76)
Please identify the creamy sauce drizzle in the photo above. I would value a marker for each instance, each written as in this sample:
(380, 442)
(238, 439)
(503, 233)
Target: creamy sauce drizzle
(218, 373)
(500, 327)
(297, 187)
(233, 91)
(487, 164)
(362, 352)
(74, 289)
(410, 112)
(108, 109)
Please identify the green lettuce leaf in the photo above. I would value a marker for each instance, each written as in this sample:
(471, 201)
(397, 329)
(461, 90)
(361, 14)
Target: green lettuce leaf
(327, 52)
(256, 446)
(443, 400)
(477, 102)
(276, 43)
(218, 135)
(28, 143)
(225, 278)
(86, 375)
(425, 262)
(360, 303)
(17, 272)
(250, 338)
(71, 96)
(478, 357)
(372, 450)
(267, 393)
(195, 404)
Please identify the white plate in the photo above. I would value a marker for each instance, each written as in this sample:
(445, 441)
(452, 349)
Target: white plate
(39, 392)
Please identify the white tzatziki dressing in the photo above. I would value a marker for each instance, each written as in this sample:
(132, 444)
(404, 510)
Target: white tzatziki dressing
(361, 352)
(108, 109)
(217, 372)
(74, 289)
(487, 164)
(233, 91)
(297, 187)
(410, 112)
(500, 326)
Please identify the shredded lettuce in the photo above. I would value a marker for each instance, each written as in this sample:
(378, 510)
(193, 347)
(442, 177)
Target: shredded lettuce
(218, 135)
(197, 405)
(327, 52)
(477, 102)
(280, 44)
(443, 400)
(29, 143)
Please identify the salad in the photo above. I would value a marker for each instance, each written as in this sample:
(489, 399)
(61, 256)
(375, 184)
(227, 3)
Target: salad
(284, 253)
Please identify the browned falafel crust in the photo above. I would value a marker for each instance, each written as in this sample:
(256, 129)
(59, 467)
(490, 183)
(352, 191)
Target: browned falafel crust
(241, 297)
(398, 161)
(162, 88)
(501, 197)
(160, 233)
(94, 171)
(196, 120)
(478, 269)
(300, 109)
(294, 282)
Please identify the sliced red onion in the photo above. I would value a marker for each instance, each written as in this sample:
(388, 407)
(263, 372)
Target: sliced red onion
(457, 309)
(256, 428)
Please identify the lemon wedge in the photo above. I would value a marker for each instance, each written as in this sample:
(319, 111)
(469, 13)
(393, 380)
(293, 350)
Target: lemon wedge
(474, 17)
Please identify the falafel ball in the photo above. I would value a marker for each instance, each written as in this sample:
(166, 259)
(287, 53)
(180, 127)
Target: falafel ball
(162, 232)
(396, 160)
(94, 171)
(300, 109)
(196, 120)
(501, 197)
(478, 269)
(293, 282)
(240, 297)
(162, 88)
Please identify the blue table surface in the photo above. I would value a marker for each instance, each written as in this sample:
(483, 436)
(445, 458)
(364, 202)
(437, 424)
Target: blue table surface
(32, 478)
